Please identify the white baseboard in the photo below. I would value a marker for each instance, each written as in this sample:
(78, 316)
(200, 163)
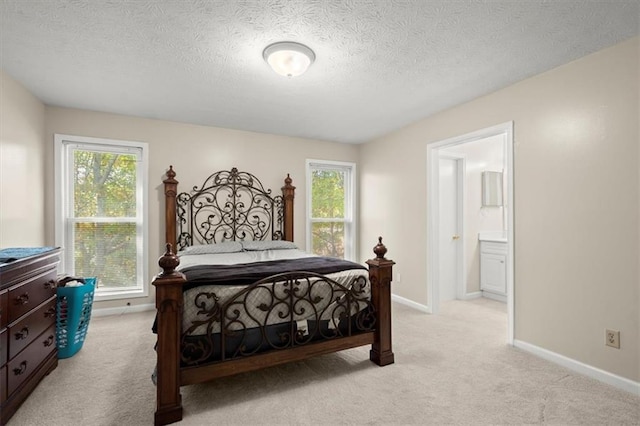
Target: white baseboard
(471, 296)
(103, 312)
(579, 367)
(410, 303)
(493, 296)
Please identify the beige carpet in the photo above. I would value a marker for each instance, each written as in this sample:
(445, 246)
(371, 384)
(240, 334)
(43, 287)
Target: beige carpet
(453, 368)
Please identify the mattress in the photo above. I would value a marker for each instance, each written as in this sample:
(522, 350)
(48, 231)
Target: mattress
(301, 299)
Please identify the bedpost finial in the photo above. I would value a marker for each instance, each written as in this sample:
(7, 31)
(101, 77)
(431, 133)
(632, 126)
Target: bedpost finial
(380, 250)
(169, 261)
(288, 189)
(171, 177)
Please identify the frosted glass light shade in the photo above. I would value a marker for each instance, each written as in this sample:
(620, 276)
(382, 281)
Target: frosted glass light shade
(288, 58)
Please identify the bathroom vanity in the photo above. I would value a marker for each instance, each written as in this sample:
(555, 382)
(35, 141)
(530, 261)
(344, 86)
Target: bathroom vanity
(493, 265)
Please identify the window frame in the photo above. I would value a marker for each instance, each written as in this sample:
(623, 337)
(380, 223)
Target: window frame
(62, 145)
(349, 221)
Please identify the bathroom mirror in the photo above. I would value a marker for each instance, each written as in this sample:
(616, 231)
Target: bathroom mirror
(492, 189)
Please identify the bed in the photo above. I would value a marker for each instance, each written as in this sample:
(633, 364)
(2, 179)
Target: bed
(236, 294)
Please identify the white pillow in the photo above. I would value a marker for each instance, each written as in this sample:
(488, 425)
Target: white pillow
(215, 248)
(267, 245)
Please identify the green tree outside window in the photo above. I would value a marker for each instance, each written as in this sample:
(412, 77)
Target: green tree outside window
(104, 215)
(330, 231)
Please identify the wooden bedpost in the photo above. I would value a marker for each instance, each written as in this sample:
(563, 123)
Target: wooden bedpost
(380, 275)
(288, 194)
(170, 193)
(169, 328)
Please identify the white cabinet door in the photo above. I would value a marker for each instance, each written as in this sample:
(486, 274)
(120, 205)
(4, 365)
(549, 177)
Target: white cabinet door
(493, 272)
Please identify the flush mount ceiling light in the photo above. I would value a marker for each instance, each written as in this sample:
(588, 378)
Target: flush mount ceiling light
(288, 58)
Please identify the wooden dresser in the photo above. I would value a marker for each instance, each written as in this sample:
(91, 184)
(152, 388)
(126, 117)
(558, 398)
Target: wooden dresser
(27, 326)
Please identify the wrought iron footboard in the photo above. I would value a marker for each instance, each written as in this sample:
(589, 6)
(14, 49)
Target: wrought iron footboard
(278, 312)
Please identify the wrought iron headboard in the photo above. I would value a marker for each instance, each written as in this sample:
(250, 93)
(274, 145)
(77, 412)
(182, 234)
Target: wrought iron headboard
(228, 206)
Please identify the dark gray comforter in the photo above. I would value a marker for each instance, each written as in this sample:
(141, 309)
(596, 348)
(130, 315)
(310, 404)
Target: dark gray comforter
(248, 273)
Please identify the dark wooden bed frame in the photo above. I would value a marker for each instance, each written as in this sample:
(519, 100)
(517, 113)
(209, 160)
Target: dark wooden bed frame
(171, 374)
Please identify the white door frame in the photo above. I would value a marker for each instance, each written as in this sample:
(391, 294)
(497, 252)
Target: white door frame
(433, 220)
(461, 168)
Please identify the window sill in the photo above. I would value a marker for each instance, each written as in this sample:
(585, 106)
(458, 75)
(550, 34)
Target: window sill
(119, 294)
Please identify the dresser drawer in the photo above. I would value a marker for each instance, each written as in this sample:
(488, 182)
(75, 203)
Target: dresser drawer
(28, 361)
(4, 308)
(25, 330)
(3, 384)
(34, 291)
(4, 347)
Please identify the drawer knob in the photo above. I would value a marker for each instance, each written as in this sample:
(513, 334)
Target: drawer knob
(21, 370)
(49, 341)
(23, 334)
(49, 313)
(50, 285)
(23, 299)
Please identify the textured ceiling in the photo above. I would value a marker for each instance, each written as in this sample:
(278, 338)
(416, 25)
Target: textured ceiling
(381, 64)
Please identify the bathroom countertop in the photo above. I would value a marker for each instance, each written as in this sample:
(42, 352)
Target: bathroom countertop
(493, 236)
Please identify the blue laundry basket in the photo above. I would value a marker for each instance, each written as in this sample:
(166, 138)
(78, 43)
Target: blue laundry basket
(72, 316)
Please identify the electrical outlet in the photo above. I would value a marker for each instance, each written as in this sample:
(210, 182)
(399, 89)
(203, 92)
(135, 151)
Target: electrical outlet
(612, 338)
(398, 277)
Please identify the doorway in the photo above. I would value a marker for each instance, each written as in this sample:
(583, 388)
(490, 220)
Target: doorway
(446, 242)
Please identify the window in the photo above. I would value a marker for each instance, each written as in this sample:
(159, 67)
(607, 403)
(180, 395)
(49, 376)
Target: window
(101, 188)
(331, 208)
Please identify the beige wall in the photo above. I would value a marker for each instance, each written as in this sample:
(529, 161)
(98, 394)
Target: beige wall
(21, 166)
(576, 203)
(195, 152)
